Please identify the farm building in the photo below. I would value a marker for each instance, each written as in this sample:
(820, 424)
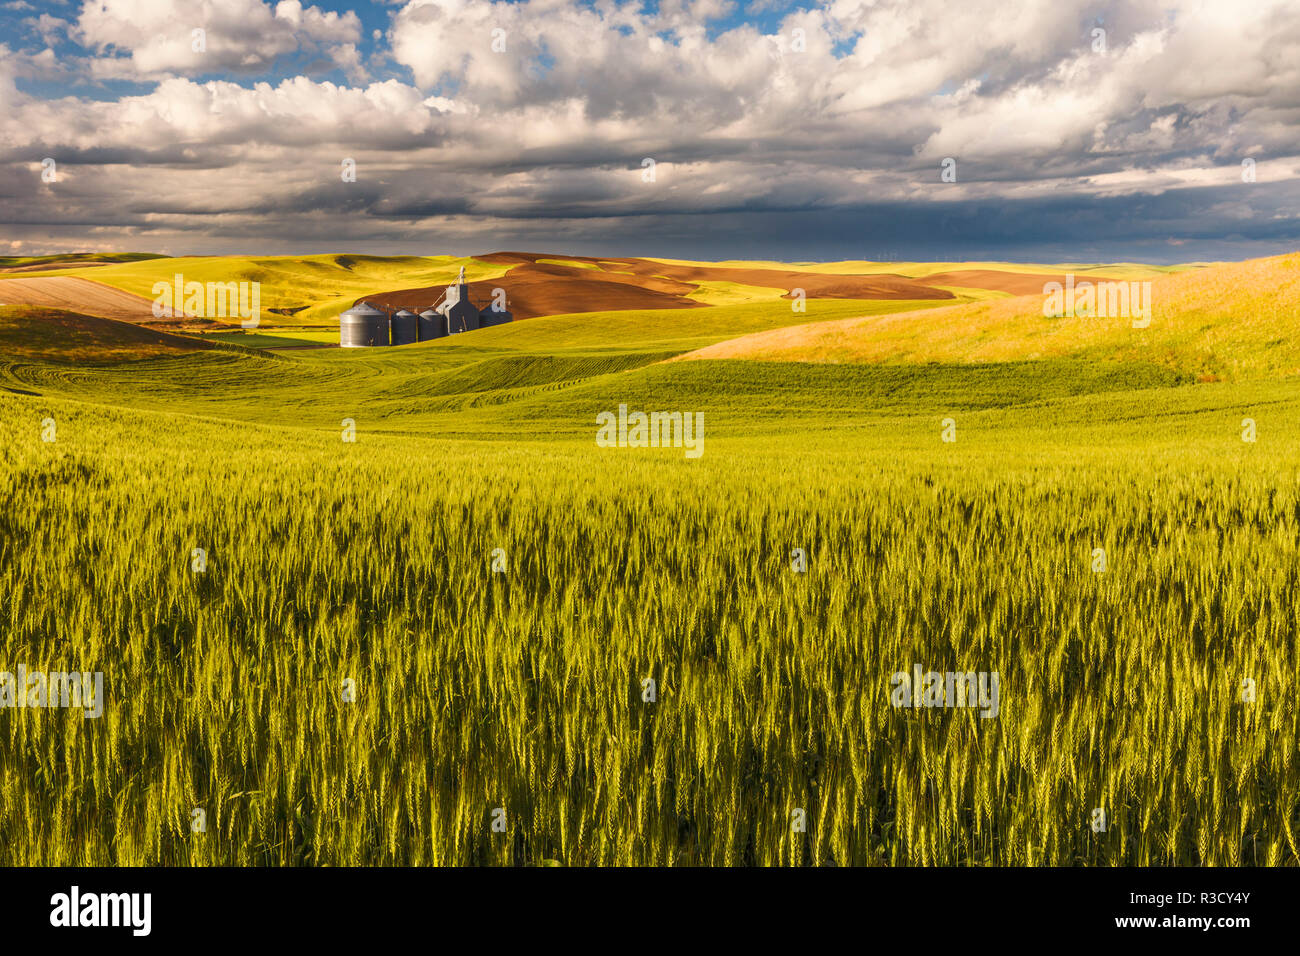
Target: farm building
(364, 325)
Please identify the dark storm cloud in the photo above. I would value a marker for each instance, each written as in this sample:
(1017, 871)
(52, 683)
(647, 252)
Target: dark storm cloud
(821, 133)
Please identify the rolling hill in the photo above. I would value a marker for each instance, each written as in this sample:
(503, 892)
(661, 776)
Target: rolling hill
(70, 260)
(1233, 320)
(61, 337)
(313, 289)
(351, 506)
(76, 294)
(310, 291)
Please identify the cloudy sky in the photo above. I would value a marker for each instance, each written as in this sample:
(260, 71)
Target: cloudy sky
(1097, 131)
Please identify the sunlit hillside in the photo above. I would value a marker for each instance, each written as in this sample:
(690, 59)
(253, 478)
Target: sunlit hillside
(1224, 321)
(316, 288)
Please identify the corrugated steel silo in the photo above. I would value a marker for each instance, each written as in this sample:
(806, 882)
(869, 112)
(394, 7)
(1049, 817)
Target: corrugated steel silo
(406, 328)
(363, 325)
(433, 325)
(462, 317)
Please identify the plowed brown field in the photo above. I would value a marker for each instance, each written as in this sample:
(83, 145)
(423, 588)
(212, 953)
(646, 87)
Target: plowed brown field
(77, 295)
(546, 288)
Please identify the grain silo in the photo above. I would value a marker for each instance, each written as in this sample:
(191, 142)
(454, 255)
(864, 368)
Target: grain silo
(462, 316)
(491, 316)
(363, 325)
(433, 325)
(405, 328)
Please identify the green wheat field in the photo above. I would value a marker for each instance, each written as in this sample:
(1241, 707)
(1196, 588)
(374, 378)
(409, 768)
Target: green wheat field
(350, 682)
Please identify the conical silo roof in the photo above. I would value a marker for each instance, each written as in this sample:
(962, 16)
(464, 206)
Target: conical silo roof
(363, 308)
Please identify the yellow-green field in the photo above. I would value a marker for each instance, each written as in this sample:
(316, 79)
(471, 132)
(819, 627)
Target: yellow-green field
(1222, 322)
(432, 645)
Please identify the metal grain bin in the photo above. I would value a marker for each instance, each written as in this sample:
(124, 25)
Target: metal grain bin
(405, 326)
(363, 325)
(463, 316)
(433, 325)
(490, 317)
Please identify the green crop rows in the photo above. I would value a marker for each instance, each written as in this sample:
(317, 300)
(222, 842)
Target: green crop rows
(348, 681)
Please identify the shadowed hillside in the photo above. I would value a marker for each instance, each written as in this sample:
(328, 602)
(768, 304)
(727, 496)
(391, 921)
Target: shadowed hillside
(59, 336)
